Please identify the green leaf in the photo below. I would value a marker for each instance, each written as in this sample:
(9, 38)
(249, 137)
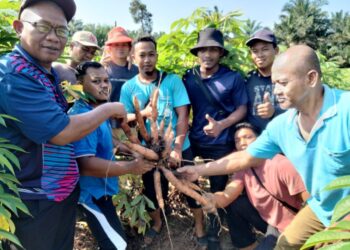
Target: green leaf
(9, 155)
(149, 203)
(337, 246)
(341, 225)
(341, 182)
(136, 200)
(5, 162)
(10, 146)
(133, 217)
(10, 237)
(341, 209)
(324, 237)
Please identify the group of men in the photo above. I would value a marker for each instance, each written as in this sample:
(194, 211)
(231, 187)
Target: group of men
(64, 147)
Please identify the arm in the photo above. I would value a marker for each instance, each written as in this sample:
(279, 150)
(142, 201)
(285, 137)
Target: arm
(214, 128)
(232, 190)
(81, 125)
(181, 131)
(227, 165)
(98, 167)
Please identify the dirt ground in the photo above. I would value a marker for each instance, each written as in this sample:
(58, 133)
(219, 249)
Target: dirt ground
(181, 232)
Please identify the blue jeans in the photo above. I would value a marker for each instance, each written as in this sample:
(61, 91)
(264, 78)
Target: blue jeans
(243, 219)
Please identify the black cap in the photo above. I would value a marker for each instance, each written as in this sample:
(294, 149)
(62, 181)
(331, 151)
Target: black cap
(209, 37)
(265, 35)
(68, 6)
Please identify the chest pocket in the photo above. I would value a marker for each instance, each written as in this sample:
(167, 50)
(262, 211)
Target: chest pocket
(338, 160)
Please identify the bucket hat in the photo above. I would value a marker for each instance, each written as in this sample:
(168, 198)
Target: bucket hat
(209, 37)
(118, 35)
(265, 35)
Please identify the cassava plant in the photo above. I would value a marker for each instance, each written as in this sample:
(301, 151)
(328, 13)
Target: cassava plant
(10, 203)
(337, 235)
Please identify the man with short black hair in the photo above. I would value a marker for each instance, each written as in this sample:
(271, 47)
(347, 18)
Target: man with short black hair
(30, 92)
(218, 100)
(82, 49)
(96, 151)
(262, 104)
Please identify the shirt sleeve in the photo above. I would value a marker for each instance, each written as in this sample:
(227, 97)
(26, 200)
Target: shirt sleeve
(41, 118)
(239, 92)
(180, 93)
(126, 97)
(265, 145)
(87, 146)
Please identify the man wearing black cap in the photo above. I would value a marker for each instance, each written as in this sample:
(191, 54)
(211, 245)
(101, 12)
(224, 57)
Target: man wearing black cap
(262, 105)
(30, 92)
(218, 99)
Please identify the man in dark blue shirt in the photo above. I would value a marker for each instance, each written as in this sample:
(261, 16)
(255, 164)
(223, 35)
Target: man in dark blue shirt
(218, 100)
(262, 104)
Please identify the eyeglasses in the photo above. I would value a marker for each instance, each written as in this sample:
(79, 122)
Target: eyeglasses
(45, 27)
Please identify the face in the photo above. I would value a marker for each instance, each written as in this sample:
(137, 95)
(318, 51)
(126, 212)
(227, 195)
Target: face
(145, 56)
(97, 84)
(243, 137)
(263, 54)
(119, 51)
(81, 53)
(290, 88)
(209, 57)
(45, 47)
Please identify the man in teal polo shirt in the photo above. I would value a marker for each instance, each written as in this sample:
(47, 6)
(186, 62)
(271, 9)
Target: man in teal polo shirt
(313, 134)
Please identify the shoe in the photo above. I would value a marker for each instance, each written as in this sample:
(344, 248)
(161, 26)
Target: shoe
(150, 234)
(202, 242)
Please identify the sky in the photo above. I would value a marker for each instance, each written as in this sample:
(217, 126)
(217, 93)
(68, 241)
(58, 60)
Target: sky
(116, 12)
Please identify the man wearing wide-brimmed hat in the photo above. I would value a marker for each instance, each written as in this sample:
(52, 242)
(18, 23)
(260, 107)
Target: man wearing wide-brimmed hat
(83, 48)
(117, 60)
(218, 99)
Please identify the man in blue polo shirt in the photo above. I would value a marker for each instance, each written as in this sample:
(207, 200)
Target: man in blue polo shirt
(218, 100)
(313, 134)
(96, 149)
(30, 92)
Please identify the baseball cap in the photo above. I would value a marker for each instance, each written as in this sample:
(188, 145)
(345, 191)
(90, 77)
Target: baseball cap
(68, 6)
(85, 38)
(118, 35)
(264, 34)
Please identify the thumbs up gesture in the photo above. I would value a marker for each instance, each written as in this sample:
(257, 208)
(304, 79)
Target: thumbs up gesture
(266, 109)
(214, 128)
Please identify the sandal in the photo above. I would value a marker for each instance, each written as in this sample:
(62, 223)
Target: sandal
(150, 234)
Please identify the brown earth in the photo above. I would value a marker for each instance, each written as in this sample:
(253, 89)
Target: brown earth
(181, 232)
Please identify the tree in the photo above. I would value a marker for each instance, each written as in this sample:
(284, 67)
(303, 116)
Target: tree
(337, 48)
(250, 27)
(303, 21)
(75, 25)
(140, 14)
(99, 30)
(174, 47)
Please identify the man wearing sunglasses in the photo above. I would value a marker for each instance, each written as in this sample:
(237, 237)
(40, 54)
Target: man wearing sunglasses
(83, 48)
(30, 92)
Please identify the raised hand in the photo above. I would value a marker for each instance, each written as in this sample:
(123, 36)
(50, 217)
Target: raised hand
(214, 128)
(266, 109)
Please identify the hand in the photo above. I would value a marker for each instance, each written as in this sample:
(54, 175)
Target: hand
(175, 158)
(266, 109)
(213, 129)
(118, 112)
(140, 166)
(189, 173)
(211, 206)
(147, 111)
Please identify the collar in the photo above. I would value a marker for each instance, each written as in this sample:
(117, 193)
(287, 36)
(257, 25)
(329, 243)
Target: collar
(328, 110)
(20, 50)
